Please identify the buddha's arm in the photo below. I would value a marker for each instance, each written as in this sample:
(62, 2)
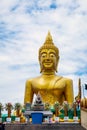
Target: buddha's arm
(69, 96)
(28, 92)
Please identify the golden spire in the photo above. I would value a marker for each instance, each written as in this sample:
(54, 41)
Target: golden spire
(48, 39)
(79, 87)
(78, 97)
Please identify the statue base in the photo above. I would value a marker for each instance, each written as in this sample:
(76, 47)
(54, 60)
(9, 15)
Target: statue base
(55, 126)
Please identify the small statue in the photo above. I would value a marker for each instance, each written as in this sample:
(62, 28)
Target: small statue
(38, 99)
(38, 105)
(51, 87)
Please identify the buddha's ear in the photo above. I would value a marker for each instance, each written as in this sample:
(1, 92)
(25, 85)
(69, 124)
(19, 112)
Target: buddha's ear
(57, 61)
(39, 58)
(40, 69)
(40, 64)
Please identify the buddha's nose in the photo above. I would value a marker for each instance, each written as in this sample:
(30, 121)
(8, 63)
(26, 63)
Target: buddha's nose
(47, 59)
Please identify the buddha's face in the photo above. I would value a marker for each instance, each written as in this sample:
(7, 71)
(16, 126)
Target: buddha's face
(48, 60)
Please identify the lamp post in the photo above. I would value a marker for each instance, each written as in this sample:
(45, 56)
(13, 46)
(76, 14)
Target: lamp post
(83, 92)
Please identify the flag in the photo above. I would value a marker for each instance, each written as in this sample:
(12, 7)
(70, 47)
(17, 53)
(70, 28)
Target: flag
(85, 86)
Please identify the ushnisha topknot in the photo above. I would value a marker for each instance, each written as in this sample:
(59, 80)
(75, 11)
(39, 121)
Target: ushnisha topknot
(48, 44)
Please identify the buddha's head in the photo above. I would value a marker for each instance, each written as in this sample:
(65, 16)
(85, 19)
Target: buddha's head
(48, 55)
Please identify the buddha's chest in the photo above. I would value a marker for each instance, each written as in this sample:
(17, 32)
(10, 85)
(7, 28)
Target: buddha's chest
(49, 85)
(43, 83)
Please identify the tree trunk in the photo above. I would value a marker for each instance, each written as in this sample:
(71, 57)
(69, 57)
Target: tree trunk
(9, 112)
(65, 111)
(0, 113)
(56, 112)
(18, 112)
(74, 109)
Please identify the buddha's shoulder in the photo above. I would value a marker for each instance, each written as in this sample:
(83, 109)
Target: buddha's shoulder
(67, 79)
(64, 78)
(33, 79)
(56, 78)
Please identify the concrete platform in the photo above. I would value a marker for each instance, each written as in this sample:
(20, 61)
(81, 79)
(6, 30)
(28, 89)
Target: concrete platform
(56, 126)
(84, 117)
(45, 113)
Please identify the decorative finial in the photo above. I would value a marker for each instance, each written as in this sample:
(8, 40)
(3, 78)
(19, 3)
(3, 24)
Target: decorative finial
(79, 87)
(48, 38)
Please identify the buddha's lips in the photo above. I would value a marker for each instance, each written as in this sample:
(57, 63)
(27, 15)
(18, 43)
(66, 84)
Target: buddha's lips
(47, 62)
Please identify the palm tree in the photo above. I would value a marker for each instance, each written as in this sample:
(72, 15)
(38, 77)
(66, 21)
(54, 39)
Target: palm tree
(9, 107)
(57, 107)
(65, 107)
(74, 107)
(47, 106)
(17, 107)
(1, 108)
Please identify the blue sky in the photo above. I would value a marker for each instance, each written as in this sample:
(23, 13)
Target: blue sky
(24, 25)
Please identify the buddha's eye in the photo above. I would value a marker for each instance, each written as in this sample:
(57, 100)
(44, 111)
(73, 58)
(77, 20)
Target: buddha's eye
(44, 55)
(52, 55)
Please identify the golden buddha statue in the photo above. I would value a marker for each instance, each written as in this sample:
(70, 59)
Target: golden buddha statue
(51, 87)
